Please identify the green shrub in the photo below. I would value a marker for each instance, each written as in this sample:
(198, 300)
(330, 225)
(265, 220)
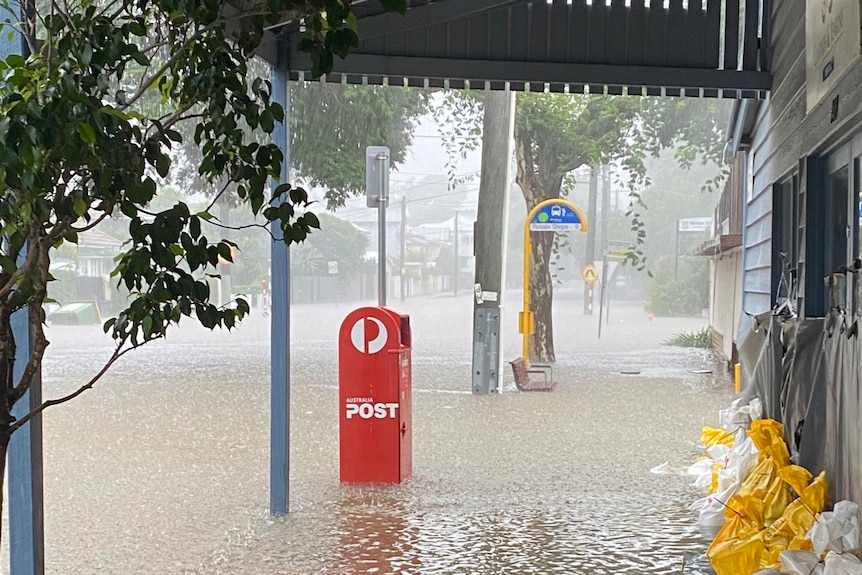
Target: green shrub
(701, 339)
(687, 295)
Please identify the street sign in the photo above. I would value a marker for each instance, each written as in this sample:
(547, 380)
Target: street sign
(555, 217)
(333, 267)
(619, 249)
(589, 273)
(376, 176)
(695, 224)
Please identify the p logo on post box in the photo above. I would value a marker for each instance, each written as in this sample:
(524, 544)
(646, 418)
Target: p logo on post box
(368, 335)
(375, 395)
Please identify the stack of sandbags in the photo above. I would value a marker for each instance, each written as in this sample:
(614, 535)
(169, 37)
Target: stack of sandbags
(760, 504)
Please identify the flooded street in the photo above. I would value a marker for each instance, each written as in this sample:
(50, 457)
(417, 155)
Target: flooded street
(164, 466)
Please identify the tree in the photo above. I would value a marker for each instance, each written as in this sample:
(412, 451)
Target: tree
(338, 241)
(557, 133)
(81, 142)
(332, 124)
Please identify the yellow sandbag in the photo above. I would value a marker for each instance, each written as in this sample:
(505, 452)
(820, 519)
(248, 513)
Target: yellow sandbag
(814, 496)
(763, 431)
(744, 519)
(796, 476)
(802, 513)
(768, 437)
(714, 435)
(776, 539)
(713, 486)
(801, 544)
(771, 556)
(737, 556)
(760, 477)
(777, 498)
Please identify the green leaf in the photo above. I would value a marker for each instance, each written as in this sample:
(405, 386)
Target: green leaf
(79, 206)
(15, 60)
(87, 133)
(311, 220)
(137, 29)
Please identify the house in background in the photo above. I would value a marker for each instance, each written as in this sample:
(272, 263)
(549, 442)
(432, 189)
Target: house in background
(724, 250)
(94, 264)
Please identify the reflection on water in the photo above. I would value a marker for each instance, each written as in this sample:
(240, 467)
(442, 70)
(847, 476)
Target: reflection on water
(600, 534)
(375, 535)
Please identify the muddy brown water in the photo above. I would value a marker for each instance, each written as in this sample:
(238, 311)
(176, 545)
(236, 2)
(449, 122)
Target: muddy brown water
(163, 468)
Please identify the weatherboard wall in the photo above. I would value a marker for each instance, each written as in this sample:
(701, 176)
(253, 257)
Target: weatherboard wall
(784, 135)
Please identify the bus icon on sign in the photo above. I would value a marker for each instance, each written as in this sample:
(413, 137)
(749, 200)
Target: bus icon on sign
(557, 211)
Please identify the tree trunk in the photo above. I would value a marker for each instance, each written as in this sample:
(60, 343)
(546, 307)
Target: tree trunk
(542, 298)
(539, 180)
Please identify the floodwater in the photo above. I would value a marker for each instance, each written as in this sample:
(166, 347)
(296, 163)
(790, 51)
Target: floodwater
(164, 466)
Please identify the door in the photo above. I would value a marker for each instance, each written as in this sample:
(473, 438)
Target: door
(844, 218)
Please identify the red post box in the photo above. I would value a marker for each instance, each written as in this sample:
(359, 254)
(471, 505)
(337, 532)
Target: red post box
(375, 396)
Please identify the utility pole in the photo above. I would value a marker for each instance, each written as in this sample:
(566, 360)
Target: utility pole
(224, 268)
(489, 239)
(676, 251)
(455, 271)
(606, 195)
(591, 238)
(403, 241)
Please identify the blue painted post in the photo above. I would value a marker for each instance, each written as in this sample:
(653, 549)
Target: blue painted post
(24, 464)
(279, 459)
(26, 515)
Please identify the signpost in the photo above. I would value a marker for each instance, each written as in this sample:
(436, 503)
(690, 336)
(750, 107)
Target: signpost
(377, 196)
(619, 249)
(553, 215)
(687, 225)
(557, 217)
(589, 273)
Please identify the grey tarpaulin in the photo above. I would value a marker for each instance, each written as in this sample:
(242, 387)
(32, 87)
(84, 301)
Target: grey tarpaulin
(807, 373)
(760, 354)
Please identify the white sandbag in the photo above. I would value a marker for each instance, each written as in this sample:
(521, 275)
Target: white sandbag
(795, 562)
(836, 530)
(842, 564)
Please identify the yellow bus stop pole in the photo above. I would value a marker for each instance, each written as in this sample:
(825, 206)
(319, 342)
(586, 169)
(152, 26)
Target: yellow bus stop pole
(525, 321)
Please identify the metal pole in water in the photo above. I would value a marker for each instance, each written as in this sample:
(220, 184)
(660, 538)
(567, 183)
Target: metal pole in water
(383, 200)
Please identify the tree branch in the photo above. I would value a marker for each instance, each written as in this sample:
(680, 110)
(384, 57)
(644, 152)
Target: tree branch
(17, 274)
(118, 353)
(147, 83)
(95, 223)
(264, 227)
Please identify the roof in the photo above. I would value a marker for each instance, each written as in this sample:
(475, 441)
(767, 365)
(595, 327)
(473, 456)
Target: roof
(637, 47)
(98, 240)
(718, 245)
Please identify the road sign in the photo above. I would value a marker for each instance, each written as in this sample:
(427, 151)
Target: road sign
(695, 224)
(333, 267)
(589, 273)
(376, 176)
(555, 217)
(619, 249)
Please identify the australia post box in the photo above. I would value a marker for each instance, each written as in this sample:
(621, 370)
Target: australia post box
(375, 396)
